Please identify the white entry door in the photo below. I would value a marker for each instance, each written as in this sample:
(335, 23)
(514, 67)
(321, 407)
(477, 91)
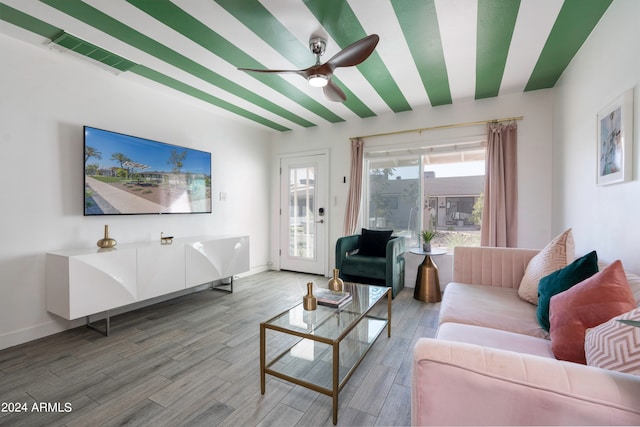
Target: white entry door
(303, 213)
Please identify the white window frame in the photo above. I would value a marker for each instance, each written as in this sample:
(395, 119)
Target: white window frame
(409, 150)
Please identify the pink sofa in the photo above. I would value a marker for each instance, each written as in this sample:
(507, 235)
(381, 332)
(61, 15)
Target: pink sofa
(492, 364)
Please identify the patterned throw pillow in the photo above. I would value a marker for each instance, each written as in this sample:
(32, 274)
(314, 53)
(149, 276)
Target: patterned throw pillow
(559, 253)
(614, 345)
(586, 305)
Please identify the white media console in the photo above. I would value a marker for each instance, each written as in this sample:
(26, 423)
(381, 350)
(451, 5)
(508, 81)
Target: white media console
(81, 283)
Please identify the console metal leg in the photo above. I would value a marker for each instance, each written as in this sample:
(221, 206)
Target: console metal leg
(104, 331)
(218, 287)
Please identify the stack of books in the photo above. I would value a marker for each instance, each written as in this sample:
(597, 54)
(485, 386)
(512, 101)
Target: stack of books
(332, 299)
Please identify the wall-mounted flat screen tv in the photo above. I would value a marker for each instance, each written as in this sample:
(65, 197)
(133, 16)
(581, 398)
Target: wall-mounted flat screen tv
(127, 175)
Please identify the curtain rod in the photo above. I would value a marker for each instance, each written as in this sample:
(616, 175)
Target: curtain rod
(455, 125)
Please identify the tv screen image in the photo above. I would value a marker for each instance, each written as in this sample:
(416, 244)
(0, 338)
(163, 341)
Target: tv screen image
(128, 175)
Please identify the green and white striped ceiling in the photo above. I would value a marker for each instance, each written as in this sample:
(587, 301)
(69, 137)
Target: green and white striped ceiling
(431, 52)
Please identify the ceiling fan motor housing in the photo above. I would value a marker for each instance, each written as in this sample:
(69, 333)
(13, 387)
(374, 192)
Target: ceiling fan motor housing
(317, 45)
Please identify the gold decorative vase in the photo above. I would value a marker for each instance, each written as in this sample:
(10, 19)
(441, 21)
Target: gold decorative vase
(336, 283)
(309, 302)
(107, 242)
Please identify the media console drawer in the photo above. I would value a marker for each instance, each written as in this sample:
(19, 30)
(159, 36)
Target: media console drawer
(85, 282)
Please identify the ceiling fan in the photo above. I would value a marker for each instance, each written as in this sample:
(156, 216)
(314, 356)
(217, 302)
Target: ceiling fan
(319, 75)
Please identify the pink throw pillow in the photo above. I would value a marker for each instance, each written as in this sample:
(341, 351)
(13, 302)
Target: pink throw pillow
(591, 302)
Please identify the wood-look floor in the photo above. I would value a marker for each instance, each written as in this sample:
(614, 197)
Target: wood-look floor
(194, 360)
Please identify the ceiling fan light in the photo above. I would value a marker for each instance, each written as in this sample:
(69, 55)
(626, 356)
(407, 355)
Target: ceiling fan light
(318, 80)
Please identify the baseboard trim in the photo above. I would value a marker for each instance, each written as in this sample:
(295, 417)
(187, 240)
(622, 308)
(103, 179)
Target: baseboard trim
(58, 324)
(32, 333)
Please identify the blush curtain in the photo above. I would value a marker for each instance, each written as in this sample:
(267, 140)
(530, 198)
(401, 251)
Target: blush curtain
(499, 213)
(355, 187)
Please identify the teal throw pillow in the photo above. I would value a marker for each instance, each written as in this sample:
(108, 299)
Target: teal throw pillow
(561, 280)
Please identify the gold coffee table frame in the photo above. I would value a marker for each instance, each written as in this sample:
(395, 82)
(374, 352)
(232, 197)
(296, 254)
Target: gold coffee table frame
(329, 344)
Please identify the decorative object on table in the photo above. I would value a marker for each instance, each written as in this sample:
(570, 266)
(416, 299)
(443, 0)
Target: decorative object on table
(106, 242)
(165, 240)
(427, 287)
(427, 237)
(333, 299)
(309, 301)
(615, 140)
(336, 283)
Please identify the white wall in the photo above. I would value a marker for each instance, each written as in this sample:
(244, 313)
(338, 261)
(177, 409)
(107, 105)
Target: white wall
(534, 159)
(46, 98)
(603, 218)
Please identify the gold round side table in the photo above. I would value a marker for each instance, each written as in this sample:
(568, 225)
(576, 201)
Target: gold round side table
(427, 282)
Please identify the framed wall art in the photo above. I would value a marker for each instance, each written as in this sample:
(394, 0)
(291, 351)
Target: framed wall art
(615, 140)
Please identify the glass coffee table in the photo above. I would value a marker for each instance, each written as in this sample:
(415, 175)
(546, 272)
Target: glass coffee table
(326, 345)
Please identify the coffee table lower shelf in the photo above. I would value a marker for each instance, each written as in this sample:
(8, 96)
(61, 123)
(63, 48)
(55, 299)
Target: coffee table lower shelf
(319, 363)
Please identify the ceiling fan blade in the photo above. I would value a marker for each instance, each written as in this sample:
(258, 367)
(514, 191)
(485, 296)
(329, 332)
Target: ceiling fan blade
(254, 70)
(333, 92)
(355, 53)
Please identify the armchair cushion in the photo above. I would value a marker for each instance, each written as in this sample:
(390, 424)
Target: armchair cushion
(373, 267)
(374, 242)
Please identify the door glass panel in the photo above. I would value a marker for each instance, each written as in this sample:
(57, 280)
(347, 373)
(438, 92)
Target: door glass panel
(301, 212)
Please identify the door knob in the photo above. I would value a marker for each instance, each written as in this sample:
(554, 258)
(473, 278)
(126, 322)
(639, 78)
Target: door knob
(320, 222)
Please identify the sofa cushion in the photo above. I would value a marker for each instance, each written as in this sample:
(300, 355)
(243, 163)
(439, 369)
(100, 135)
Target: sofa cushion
(561, 280)
(483, 265)
(557, 254)
(374, 242)
(615, 345)
(634, 284)
(457, 383)
(591, 302)
(491, 307)
(495, 338)
(365, 266)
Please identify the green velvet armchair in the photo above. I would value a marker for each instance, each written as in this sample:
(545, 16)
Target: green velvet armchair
(368, 269)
